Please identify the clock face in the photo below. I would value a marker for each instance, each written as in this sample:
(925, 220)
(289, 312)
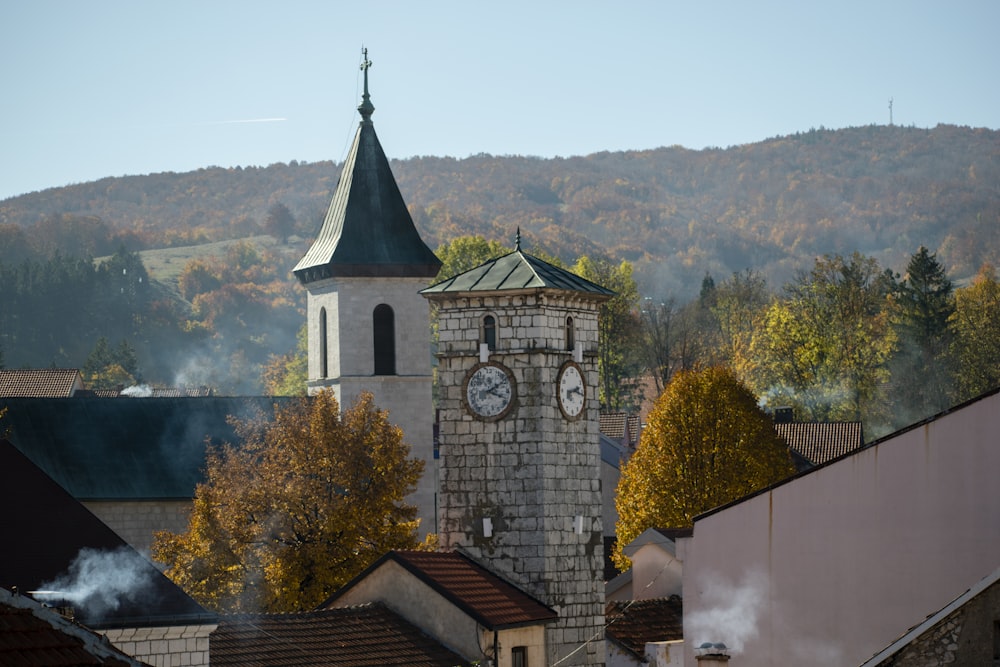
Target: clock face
(572, 391)
(489, 391)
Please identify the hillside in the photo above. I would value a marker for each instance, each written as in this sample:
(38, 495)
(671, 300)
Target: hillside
(675, 213)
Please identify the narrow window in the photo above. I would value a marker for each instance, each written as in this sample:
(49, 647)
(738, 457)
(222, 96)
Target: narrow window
(384, 327)
(490, 332)
(322, 343)
(519, 656)
(570, 334)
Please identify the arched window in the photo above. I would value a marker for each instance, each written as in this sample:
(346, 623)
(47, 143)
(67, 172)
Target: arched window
(570, 334)
(384, 327)
(323, 371)
(490, 332)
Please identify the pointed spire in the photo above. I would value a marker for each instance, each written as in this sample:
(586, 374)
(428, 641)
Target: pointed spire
(366, 108)
(517, 240)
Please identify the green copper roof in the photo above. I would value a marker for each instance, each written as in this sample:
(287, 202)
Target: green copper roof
(368, 230)
(517, 271)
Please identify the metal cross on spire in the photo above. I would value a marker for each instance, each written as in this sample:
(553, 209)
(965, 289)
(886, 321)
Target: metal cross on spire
(366, 108)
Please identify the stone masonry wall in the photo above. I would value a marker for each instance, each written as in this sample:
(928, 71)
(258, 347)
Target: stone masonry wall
(533, 473)
(169, 646)
(136, 521)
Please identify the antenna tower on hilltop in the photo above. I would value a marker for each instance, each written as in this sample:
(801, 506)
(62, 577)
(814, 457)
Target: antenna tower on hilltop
(890, 111)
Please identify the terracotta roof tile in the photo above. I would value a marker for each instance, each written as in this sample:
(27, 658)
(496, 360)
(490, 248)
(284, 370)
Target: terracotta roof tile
(612, 425)
(633, 623)
(39, 383)
(485, 595)
(821, 442)
(482, 595)
(35, 636)
(364, 636)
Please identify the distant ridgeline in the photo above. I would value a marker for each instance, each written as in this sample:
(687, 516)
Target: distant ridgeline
(676, 214)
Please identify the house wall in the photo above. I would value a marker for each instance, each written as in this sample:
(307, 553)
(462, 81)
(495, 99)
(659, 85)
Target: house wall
(532, 638)
(167, 646)
(655, 573)
(136, 521)
(609, 486)
(418, 603)
(831, 567)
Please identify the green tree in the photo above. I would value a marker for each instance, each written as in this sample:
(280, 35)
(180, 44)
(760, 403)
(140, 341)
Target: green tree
(279, 223)
(305, 503)
(738, 309)
(107, 368)
(287, 374)
(976, 327)
(706, 443)
(619, 334)
(825, 347)
(464, 253)
(921, 368)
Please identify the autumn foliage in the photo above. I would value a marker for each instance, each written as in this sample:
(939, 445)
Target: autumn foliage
(304, 503)
(706, 443)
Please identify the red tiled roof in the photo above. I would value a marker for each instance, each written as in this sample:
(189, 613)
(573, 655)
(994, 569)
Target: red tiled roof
(495, 602)
(35, 636)
(482, 595)
(634, 623)
(612, 424)
(364, 636)
(39, 383)
(821, 442)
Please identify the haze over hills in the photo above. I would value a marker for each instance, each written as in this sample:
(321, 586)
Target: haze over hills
(675, 213)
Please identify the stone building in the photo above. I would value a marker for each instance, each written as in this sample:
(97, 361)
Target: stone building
(519, 440)
(368, 327)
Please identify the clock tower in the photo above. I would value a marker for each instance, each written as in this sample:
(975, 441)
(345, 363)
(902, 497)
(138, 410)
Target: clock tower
(519, 440)
(368, 327)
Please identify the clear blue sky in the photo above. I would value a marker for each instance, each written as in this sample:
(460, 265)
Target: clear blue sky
(95, 88)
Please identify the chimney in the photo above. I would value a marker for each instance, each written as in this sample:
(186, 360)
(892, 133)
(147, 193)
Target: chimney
(784, 415)
(712, 655)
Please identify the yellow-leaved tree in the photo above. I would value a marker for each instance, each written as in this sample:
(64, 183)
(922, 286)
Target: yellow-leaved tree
(706, 443)
(302, 505)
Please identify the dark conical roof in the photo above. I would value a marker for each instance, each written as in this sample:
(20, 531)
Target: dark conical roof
(368, 230)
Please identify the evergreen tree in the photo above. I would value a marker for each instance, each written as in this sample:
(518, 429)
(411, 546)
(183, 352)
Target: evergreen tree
(921, 369)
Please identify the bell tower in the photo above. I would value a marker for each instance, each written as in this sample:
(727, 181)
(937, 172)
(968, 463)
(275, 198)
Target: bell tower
(368, 327)
(519, 439)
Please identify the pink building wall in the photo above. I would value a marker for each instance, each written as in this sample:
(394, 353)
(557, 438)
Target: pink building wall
(830, 568)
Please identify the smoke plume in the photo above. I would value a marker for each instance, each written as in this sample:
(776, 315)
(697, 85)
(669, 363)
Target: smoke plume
(99, 581)
(730, 611)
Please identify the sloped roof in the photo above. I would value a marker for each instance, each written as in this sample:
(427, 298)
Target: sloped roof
(888, 655)
(613, 424)
(368, 635)
(35, 636)
(480, 594)
(517, 271)
(45, 530)
(821, 442)
(633, 623)
(125, 448)
(368, 230)
(39, 382)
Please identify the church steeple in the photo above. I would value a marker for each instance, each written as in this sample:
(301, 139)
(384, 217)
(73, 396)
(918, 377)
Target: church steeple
(368, 230)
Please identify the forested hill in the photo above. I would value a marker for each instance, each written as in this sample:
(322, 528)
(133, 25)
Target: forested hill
(675, 213)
